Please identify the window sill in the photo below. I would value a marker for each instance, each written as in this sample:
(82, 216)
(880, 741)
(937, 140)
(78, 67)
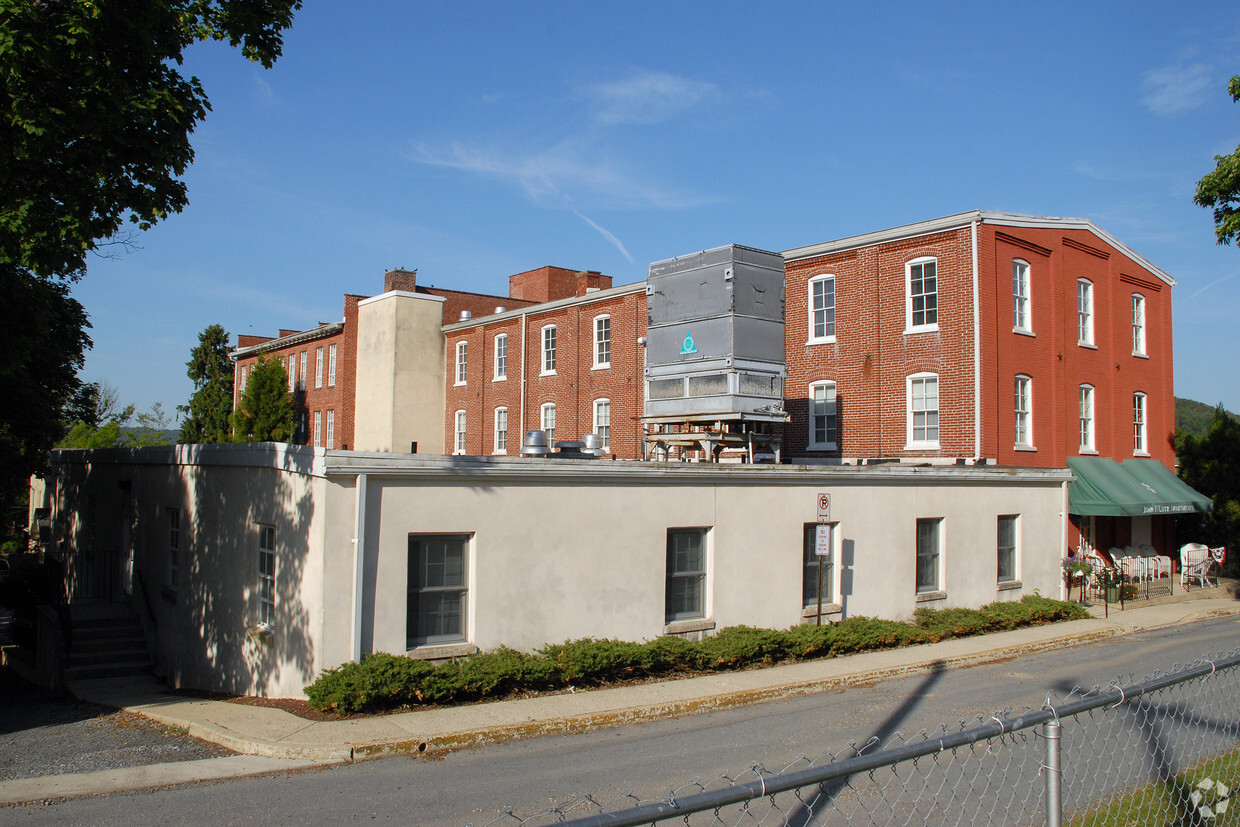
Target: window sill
(503, 378)
(1087, 452)
(604, 366)
(827, 609)
(922, 446)
(1140, 453)
(926, 328)
(1020, 331)
(824, 446)
(1140, 356)
(696, 624)
(926, 597)
(547, 373)
(1089, 345)
(458, 384)
(442, 651)
(825, 340)
(1008, 585)
(1028, 448)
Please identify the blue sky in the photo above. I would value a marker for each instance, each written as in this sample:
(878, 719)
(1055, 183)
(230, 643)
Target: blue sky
(474, 140)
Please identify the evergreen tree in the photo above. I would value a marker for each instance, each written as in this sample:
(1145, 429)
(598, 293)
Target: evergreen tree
(1211, 465)
(266, 411)
(210, 406)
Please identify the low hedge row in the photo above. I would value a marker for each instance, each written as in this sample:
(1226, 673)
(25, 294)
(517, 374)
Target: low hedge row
(383, 682)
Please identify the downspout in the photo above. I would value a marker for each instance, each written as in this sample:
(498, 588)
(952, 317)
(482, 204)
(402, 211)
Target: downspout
(359, 561)
(977, 357)
(523, 354)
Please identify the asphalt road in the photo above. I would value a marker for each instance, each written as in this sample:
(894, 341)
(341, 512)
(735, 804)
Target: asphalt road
(650, 759)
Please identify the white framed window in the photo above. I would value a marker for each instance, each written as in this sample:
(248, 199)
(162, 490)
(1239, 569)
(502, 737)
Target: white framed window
(245, 375)
(822, 421)
(923, 410)
(318, 367)
(602, 421)
(174, 545)
(547, 421)
(318, 429)
(1140, 446)
(462, 359)
(929, 555)
(1087, 419)
(602, 341)
(438, 589)
(501, 357)
(302, 431)
(1138, 324)
(331, 429)
(686, 574)
(548, 349)
(292, 373)
(1024, 411)
(1020, 296)
(267, 574)
(1085, 312)
(1008, 542)
(331, 366)
(922, 291)
(501, 430)
(822, 309)
(812, 561)
(301, 379)
(458, 441)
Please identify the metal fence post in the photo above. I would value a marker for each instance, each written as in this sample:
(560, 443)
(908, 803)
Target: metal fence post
(1054, 774)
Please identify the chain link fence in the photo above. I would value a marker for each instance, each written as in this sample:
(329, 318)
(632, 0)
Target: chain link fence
(1165, 750)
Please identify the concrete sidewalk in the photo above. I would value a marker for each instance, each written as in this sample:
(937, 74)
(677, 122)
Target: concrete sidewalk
(274, 740)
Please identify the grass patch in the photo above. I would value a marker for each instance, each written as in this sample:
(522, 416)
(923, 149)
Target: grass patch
(1184, 800)
(380, 682)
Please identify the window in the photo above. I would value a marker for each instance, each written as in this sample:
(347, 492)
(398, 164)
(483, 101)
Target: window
(301, 427)
(548, 349)
(928, 552)
(331, 366)
(1087, 418)
(318, 429)
(292, 374)
(923, 410)
(438, 589)
(462, 357)
(822, 416)
(1024, 412)
(686, 573)
(921, 277)
(318, 367)
(602, 421)
(267, 574)
(241, 384)
(1139, 444)
(501, 356)
(1008, 525)
(174, 544)
(602, 341)
(459, 439)
(814, 562)
(822, 309)
(1085, 312)
(548, 423)
(301, 382)
(1020, 295)
(501, 430)
(1138, 324)
(331, 429)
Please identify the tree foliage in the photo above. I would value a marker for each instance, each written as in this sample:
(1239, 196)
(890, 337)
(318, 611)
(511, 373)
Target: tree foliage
(1220, 190)
(1211, 464)
(210, 406)
(266, 411)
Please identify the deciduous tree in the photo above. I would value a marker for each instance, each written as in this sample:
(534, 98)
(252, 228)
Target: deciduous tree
(1220, 189)
(1211, 464)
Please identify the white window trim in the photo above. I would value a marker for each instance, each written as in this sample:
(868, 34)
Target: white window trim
(1085, 337)
(292, 373)
(301, 380)
(605, 440)
(809, 294)
(331, 429)
(811, 444)
(318, 367)
(1028, 444)
(1026, 298)
(266, 608)
(1141, 426)
(705, 581)
(543, 351)
(547, 407)
(810, 607)
(458, 433)
(924, 445)
(461, 366)
(940, 568)
(318, 429)
(501, 414)
(597, 364)
(909, 327)
(1089, 444)
(1014, 580)
(501, 368)
(331, 366)
(1140, 326)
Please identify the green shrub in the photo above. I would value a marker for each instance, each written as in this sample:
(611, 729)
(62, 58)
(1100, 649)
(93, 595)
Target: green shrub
(669, 654)
(739, 646)
(595, 661)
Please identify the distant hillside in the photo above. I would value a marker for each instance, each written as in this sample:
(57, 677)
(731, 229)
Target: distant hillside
(1193, 417)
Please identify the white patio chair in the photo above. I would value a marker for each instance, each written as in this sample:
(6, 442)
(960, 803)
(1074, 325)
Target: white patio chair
(1160, 562)
(1129, 567)
(1195, 562)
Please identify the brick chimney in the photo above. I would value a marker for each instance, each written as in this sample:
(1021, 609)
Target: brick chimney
(400, 279)
(590, 280)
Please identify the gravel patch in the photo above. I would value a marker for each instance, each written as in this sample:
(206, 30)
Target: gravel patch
(45, 733)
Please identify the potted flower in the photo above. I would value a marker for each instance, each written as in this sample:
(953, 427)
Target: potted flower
(1077, 569)
(1109, 580)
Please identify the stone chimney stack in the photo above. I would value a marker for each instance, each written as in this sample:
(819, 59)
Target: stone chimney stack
(400, 279)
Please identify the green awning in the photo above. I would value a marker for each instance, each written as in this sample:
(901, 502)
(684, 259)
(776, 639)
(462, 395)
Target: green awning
(1133, 488)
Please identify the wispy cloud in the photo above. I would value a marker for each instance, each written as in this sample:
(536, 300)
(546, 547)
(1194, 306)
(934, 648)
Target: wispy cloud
(1171, 90)
(264, 92)
(649, 97)
(604, 232)
(1214, 283)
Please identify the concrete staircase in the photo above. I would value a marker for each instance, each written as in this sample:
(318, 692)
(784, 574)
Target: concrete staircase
(107, 642)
